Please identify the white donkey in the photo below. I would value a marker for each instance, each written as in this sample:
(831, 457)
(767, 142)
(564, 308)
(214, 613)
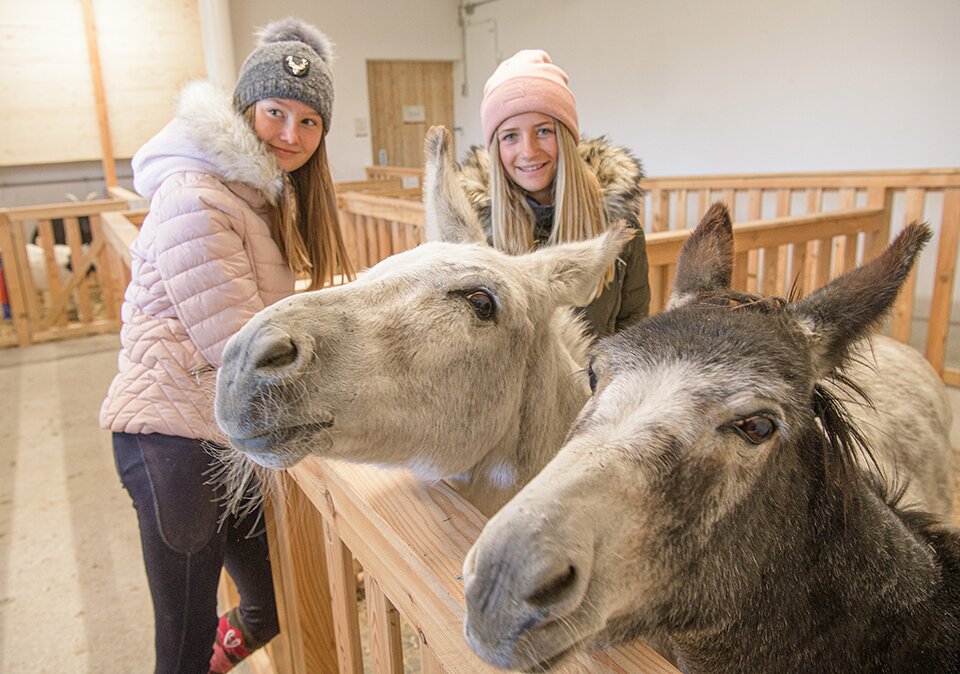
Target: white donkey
(460, 362)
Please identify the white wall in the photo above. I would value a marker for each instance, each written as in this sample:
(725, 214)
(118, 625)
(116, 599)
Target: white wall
(693, 86)
(360, 30)
(698, 86)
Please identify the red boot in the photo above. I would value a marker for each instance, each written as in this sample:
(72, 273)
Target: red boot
(233, 643)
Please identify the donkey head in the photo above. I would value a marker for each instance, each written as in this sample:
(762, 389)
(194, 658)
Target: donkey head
(424, 361)
(639, 526)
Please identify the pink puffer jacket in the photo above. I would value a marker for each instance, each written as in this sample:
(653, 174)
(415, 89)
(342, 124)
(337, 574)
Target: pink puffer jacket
(203, 265)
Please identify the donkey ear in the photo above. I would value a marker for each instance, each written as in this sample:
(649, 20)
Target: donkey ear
(706, 259)
(447, 213)
(847, 308)
(572, 271)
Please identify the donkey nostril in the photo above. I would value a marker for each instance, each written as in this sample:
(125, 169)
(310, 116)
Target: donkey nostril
(279, 351)
(555, 589)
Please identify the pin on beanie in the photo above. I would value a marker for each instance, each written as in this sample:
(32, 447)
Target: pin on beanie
(292, 60)
(528, 81)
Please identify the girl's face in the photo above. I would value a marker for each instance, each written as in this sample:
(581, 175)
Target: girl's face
(529, 152)
(291, 129)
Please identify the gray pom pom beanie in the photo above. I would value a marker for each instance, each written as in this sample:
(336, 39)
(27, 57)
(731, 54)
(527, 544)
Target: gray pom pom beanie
(292, 60)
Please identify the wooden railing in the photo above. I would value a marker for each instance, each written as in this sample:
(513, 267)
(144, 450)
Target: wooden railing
(48, 301)
(411, 538)
(375, 226)
(378, 227)
(394, 172)
(903, 196)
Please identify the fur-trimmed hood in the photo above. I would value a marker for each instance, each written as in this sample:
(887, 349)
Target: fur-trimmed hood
(208, 135)
(617, 168)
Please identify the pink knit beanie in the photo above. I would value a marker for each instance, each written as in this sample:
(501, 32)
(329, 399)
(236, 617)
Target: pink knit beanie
(527, 82)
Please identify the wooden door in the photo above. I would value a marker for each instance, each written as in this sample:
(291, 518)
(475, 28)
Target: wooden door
(406, 99)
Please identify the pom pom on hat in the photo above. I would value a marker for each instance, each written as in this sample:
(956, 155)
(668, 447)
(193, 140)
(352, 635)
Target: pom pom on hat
(292, 60)
(295, 30)
(528, 81)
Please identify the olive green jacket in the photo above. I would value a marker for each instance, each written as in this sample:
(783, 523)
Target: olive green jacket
(627, 298)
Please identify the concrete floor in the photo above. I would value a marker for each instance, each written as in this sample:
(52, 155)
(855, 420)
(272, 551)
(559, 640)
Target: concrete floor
(73, 595)
(73, 592)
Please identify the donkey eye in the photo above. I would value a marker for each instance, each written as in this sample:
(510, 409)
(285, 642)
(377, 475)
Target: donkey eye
(483, 305)
(592, 378)
(755, 429)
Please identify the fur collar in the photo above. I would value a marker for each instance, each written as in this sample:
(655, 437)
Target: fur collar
(210, 121)
(617, 168)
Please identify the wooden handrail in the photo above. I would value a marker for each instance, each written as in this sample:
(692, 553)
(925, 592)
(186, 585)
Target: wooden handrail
(370, 185)
(68, 209)
(120, 233)
(899, 178)
(412, 538)
(393, 171)
(930, 178)
(664, 247)
(407, 211)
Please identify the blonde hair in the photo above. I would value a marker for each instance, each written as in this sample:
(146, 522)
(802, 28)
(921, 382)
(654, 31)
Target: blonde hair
(305, 222)
(578, 212)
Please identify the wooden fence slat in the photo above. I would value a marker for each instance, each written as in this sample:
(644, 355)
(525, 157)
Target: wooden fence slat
(660, 207)
(343, 595)
(703, 201)
(360, 227)
(741, 263)
(46, 241)
(754, 211)
(798, 267)
(384, 620)
(373, 239)
(12, 263)
(384, 248)
(730, 198)
(783, 270)
(658, 289)
(681, 221)
(818, 252)
(783, 203)
(396, 237)
(304, 605)
(875, 243)
(767, 283)
(849, 252)
(22, 262)
(71, 229)
(943, 282)
(105, 279)
(348, 229)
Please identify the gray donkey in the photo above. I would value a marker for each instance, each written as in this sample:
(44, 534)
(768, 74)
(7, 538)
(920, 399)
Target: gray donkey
(711, 496)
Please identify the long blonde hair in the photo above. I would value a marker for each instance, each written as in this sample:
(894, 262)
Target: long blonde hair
(578, 212)
(306, 223)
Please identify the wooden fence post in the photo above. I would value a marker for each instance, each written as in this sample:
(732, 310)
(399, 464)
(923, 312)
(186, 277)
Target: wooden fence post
(298, 555)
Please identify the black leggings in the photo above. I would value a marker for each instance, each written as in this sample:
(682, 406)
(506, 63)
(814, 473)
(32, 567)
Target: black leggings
(184, 551)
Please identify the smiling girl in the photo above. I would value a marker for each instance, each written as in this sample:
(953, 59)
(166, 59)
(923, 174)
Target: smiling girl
(544, 186)
(241, 202)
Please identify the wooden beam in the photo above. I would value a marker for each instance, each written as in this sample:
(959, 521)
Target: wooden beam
(106, 145)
